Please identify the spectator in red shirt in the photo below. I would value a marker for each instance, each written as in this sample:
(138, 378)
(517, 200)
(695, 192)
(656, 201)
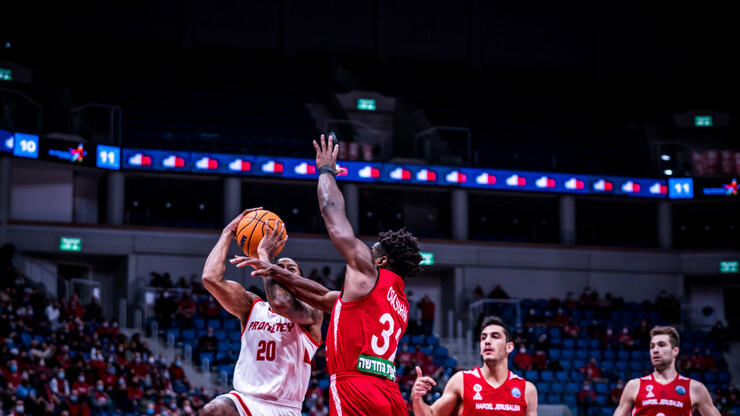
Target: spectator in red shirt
(75, 406)
(418, 356)
(319, 408)
(616, 393)
(539, 361)
(523, 359)
(139, 366)
(134, 391)
(101, 401)
(586, 399)
(185, 310)
(176, 370)
(625, 339)
(427, 314)
(591, 370)
(210, 308)
(609, 340)
(708, 362)
(12, 375)
(571, 329)
(80, 385)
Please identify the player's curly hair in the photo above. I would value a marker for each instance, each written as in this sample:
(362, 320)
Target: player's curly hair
(402, 251)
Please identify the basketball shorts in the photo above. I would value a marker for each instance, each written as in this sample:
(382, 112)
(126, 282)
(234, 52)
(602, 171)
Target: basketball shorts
(352, 394)
(251, 406)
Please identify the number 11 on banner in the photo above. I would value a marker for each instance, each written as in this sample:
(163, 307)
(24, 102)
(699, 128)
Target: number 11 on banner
(680, 188)
(109, 157)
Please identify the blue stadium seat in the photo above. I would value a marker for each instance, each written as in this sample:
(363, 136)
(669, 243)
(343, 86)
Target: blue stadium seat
(232, 325)
(621, 365)
(582, 344)
(547, 375)
(607, 365)
(208, 356)
(554, 353)
(570, 400)
(601, 400)
(636, 366)
(562, 375)
(556, 387)
(543, 387)
(404, 339)
(710, 377)
(432, 340)
(450, 362)
(595, 354)
(579, 363)
(610, 355)
(531, 375)
(441, 351)
(236, 346)
(623, 355)
(221, 335)
(228, 368)
(583, 354)
(214, 323)
(593, 344)
(639, 355)
(566, 364)
(417, 339)
(199, 323)
(324, 383)
(235, 336)
(553, 398)
(568, 354)
(223, 347)
(188, 334)
(174, 332)
(601, 388)
(569, 343)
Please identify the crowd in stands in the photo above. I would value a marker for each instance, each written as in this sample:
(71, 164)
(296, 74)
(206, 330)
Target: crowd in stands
(62, 357)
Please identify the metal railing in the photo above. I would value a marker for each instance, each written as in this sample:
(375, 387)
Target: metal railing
(77, 121)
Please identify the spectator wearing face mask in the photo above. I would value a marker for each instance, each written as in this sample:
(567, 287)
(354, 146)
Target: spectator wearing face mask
(523, 359)
(19, 409)
(616, 393)
(12, 374)
(75, 405)
(59, 384)
(100, 399)
(80, 385)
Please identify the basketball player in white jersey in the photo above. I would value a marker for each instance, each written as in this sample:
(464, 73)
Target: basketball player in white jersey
(279, 337)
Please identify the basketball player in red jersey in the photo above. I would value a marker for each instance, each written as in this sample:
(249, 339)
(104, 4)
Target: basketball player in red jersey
(665, 392)
(278, 339)
(370, 314)
(488, 390)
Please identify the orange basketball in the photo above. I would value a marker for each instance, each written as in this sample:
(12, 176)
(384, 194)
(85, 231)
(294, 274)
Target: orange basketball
(251, 229)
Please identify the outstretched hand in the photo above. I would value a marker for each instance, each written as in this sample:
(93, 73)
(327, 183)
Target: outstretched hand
(231, 227)
(271, 242)
(422, 385)
(326, 154)
(261, 268)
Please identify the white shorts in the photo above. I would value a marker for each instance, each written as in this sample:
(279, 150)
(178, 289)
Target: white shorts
(252, 406)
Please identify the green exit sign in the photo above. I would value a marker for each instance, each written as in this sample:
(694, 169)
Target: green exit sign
(6, 74)
(427, 259)
(703, 121)
(728, 267)
(70, 244)
(366, 104)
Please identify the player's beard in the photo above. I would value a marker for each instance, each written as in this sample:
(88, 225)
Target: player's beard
(664, 363)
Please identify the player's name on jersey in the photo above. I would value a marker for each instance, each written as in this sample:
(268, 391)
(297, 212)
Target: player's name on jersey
(396, 304)
(662, 402)
(266, 326)
(498, 406)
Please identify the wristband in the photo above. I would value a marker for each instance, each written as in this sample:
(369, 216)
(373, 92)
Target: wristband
(327, 169)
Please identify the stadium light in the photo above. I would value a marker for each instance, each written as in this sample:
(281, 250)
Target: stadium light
(668, 172)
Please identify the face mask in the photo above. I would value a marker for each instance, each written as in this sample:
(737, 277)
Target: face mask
(619, 385)
(60, 375)
(166, 375)
(522, 350)
(586, 387)
(81, 379)
(150, 411)
(178, 363)
(105, 324)
(73, 399)
(13, 368)
(112, 370)
(151, 360)
(173, 405)
(115, 324)
(608, 331)
(19, 409)
(187, 409)
(100, 387)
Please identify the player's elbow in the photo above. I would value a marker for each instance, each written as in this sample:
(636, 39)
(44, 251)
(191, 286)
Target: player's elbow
(209, 280)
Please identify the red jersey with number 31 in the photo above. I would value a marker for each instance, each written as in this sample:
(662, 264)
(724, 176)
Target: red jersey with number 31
(363, 334)
(672, 399)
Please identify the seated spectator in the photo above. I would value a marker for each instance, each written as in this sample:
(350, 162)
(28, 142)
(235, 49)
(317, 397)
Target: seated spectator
(19, 409)
(708, 362)
(100, 399)
(53, 313)
(319, 408)
(719, 335)
(571, 329)
(80, 385)
(560, 318)
(625, 339)
(586, 399)
(164, 309)
(543, 342)
(523, 359)
(591, 371)
(312, 394)
(616, 393)
(176, 370)
(207, 343)
(12, 375)
(539, 360)
(182, 284)
(403, 357)
(75, 405)
(570, 302)
(59, 384)
(609, 339)
(93, 311)
(532, 319)
(642, 332)
(186, 308)
(210, 308)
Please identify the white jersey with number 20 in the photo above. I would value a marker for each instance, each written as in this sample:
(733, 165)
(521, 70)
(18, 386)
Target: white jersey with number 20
(275, 358)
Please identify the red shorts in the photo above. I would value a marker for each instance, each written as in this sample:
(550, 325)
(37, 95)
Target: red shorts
(352, 394)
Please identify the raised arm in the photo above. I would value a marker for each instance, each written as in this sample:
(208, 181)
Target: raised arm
(304, 289)
(446, 404)
(702, 400)
(627, 401)
(231, 295)
(281, 301)
(361, 272)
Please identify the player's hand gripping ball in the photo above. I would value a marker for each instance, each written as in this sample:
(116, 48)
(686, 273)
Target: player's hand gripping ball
(252, 228)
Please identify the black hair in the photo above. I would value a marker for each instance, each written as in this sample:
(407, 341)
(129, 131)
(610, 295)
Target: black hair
(495, 320)
(402, 251)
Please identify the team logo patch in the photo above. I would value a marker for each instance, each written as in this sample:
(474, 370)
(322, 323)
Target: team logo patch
(477, 389)
(516, 392)
(681, 390)
(649, 389)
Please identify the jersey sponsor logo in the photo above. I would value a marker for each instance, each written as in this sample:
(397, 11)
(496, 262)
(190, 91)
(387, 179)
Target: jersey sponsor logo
(477, 395)
(662, 402)
(397, 305)
(516, 392)
(649, 389)
(681, 390)
(266, 326)
(498, 406)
